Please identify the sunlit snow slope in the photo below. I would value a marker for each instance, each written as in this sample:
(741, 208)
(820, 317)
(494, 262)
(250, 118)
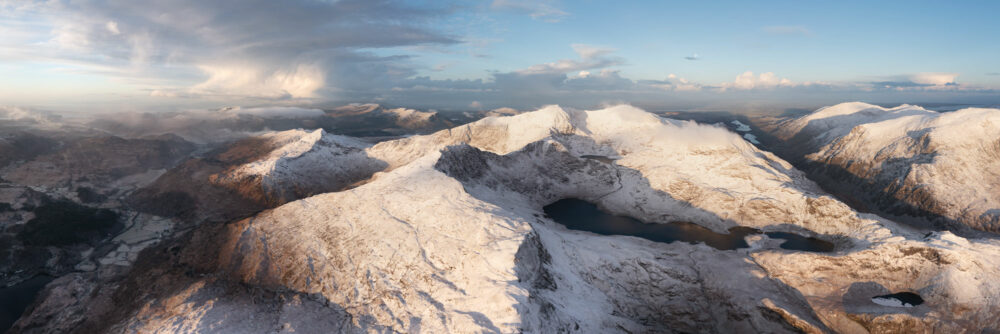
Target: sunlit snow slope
(943, 167)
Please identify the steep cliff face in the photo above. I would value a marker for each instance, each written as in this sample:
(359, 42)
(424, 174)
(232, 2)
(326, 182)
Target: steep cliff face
(942, 169)
(451, 237)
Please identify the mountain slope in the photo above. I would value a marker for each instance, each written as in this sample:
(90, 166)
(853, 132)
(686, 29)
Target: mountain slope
(302, 163)
(97, 160)
(375, 120)
(907, 161)
(452, 237)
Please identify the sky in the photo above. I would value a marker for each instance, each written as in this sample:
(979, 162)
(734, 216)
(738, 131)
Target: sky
(116, 55)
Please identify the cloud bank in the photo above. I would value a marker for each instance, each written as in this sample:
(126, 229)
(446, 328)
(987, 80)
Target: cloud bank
(258, 48)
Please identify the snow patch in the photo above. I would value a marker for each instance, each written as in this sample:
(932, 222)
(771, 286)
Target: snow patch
(891, 302)
(740, 126)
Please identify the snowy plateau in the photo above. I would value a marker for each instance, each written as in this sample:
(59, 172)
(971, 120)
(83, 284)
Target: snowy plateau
(445, 233)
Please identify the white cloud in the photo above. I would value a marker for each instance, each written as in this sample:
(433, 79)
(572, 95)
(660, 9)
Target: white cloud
(934, 79)
(502, 111)
(274, 112)
(270, 49)
(12, 113)
(112, 27)
(674, 83)
(747, 81)
(925, 81)
(591, 57)
(299, 81)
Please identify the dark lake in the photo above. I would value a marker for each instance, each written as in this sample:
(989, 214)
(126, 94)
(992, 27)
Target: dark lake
(14, 300)
(797, 242)
(581, 215)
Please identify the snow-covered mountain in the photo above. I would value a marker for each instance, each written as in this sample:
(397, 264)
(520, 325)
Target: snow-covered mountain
(451, 237)
(403, 118)
(301, 164)
(943, 167)
(411, 118)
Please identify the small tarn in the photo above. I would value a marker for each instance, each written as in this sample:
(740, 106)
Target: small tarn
(902, 299)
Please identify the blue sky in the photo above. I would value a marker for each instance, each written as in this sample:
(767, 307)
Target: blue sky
(118, 55)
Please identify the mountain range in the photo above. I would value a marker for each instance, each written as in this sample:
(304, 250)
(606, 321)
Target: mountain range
(314, 231)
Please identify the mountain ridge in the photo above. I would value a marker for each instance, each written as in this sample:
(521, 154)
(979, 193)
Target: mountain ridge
(907, 161)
